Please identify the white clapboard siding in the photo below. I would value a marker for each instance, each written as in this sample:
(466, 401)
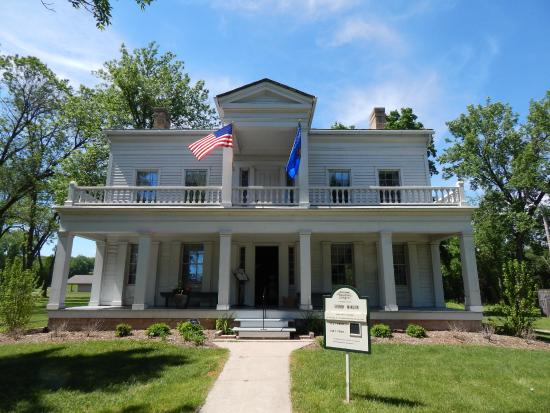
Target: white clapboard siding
(425, 277)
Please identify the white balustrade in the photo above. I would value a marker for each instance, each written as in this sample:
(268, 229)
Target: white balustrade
(265, 195)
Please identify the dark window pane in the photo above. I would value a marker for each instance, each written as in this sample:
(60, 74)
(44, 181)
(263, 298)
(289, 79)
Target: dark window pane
(193, 269)
(132, 263)
(291, 266)
(399, 264)
(342, 264)
(146, 178)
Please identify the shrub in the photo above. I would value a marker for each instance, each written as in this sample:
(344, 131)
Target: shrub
(191, 332)
(158, 330)
(312, 321)
(123, 330)
(414, 330)
(224, 324)
(16, 295)
(381, 330)
(519, 297)
(320, 341)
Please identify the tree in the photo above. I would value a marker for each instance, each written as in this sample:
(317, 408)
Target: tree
(340, 126)
(407, 120)
(507, 161)
(16, 295)
(139, 81)
(451, 269)
(100, 9)
(81, 265)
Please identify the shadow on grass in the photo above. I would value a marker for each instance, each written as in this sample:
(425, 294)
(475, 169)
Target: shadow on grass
(140, 408)
(394, 401)
(26, 378)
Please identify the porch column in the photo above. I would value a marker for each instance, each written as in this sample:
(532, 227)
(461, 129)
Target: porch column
(227, 176)
(439, 297)
(145, 247)
(386, 277)
(305, 269)
(412, 251)
(224, 276)
(95, 295)
(60, 274)
(469, 273)
(151, 286)
(120, 273)
(303, 171)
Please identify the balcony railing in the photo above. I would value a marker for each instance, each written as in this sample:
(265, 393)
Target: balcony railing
(266, 195)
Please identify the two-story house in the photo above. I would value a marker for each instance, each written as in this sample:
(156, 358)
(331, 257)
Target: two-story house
(360, 212)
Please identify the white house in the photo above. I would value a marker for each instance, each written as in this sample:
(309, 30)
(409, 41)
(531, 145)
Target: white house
(360, 212)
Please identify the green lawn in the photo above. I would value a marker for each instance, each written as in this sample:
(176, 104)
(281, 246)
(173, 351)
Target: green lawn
(423, 378)
(39, 318)
(108, 376)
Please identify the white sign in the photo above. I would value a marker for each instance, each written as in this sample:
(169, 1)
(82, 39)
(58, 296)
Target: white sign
(347, 321)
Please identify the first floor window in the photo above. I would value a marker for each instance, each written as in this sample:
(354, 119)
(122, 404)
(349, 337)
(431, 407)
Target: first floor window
(147, 178)
(193, 265)
(132, 263)
(399, 264)
(242, 257)
(291, 266)
(341, 261)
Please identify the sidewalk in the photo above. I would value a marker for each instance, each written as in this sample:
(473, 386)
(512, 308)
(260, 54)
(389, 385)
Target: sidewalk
(256, 378)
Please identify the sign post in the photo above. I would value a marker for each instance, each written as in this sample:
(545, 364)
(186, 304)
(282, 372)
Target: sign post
(347, 322)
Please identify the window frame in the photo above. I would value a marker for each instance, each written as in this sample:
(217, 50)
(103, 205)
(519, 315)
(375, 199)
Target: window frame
(348, 170)
(389, 169)
(351, 264)
(184, 275)
(131, 278)
(185, 170)
(138, 170)
(404, 265)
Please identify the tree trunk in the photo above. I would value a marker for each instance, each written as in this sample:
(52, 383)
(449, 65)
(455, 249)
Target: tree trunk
(546, 228)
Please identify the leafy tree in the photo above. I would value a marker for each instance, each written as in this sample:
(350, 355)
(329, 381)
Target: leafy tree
(340, 126)
(81, 265)
(406, 119)
(16, 295)
(451, 269)
(519, 297)
(100, 9)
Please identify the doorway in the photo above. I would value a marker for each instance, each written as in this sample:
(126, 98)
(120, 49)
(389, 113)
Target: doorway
(267, 276)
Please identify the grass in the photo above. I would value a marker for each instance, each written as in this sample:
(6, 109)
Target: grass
(39, 318)
(108, 376)
(430, 378)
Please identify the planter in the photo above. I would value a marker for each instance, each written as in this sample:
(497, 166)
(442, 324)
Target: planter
(181, 300)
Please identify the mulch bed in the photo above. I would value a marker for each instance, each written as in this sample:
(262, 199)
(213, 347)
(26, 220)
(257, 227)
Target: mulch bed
(39, 336)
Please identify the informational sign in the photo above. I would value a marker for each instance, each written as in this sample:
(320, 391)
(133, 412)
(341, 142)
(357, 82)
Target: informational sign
(347, 321)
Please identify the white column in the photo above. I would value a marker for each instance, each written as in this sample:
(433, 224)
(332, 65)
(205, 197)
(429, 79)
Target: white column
(303, 171)
(145, 247)
(151, 285)
(359, 267)
(385, 270)
(227, 176)
(224, 277)
(326, 262)
(439, 297)
(469, 273)
(305, 270)
(60, 274)
(412, 251)
(95, 295)
(120, 273)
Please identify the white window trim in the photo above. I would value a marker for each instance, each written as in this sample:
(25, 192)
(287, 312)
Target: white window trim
(328, 170)
(207, 169)
(136, 170)
(378, 170)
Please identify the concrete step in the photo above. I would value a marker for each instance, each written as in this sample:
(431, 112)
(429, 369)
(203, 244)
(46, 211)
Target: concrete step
(271, 332)
(258, 322)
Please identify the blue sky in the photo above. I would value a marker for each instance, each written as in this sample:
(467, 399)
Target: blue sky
(434, 56)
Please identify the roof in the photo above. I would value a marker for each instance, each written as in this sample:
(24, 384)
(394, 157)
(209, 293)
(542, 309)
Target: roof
(80, 279)
(265, 79)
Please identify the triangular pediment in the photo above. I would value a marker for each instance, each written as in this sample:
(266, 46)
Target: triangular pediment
(266, 96)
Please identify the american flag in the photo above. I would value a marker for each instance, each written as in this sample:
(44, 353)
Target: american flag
(222, 137)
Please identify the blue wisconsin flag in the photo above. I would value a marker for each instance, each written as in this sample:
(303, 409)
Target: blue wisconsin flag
(295, 154)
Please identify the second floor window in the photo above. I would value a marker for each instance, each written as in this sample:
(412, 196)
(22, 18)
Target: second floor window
(340, 178)
(132, 263)
(195, 177)
(147, 178)
(341, 262)
(389, 178)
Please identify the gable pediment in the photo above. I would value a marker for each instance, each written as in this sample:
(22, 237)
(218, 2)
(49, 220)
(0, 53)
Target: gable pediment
(266, 96)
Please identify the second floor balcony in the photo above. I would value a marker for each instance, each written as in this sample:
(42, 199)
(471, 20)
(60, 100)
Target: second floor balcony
(266, 196)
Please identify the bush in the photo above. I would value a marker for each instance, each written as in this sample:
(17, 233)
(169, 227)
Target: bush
(381, 330)
(519, 297)
(16, 295)
(158, 330)
(191, 332)
(312, 321)
(414, 330)
(123, 330)
(224, 324)
(320, 341)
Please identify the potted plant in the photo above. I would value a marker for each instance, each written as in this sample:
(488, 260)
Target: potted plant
(181, 295)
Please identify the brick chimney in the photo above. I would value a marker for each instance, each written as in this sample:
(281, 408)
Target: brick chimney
(161, 120)
(377, 119)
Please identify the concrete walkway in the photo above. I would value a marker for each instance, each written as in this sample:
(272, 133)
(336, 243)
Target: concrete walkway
(256, 378)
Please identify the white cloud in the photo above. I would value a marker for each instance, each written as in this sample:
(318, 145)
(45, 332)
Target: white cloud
(368, 31)
(66, 39)
(305, 8)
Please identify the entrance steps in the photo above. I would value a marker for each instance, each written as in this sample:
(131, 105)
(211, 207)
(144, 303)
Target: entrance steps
(264, 328)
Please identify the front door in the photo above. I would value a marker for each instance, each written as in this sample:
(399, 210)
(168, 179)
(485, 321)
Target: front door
(267, 276)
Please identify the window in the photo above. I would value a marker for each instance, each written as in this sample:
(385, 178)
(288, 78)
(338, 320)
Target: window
(389, 178)
(339, 178)
(244, 180)
(193, 265)
(195, 177)
(147, 178)
(399, 264)
(291, 266)
(132, 263)
(341, 261)
(242, 257)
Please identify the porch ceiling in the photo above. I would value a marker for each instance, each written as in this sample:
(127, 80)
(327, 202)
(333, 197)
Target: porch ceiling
(264, 140)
